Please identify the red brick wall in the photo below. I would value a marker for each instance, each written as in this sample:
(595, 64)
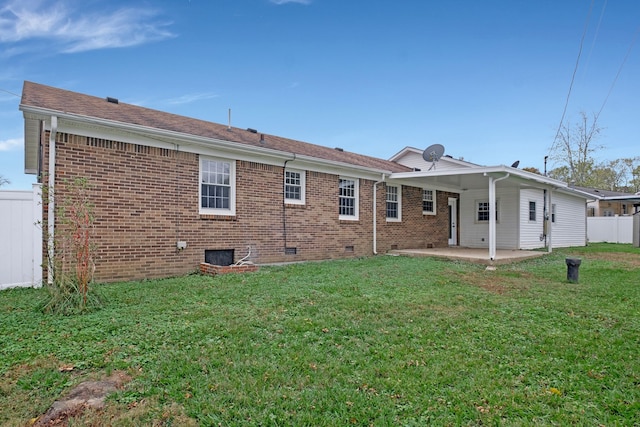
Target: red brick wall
(415, 230)
(146, 199)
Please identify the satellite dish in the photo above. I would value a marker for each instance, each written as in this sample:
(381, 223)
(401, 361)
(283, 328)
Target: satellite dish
(432, 154)
(515, 164)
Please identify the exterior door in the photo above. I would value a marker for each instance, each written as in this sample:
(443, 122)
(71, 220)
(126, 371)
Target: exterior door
(453, 221)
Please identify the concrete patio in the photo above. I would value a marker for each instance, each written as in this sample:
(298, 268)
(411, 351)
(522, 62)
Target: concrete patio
(480, 256)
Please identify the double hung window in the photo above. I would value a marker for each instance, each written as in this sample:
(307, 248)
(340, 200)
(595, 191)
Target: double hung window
(294, 186)
(394, 195)
(428, 202)
(217, 186)
(348, 198)
(482, 211)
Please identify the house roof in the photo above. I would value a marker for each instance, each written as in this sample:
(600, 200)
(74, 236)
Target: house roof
(407, 150)
(606, 194)
(46, 99)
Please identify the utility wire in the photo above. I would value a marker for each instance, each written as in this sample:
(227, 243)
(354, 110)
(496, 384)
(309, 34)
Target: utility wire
(10, 93)
(624, 61)
(595, 37)
(573, 77)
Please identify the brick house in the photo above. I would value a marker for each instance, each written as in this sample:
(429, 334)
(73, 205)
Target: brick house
(610, 203)
(158, 179)
(170, 192)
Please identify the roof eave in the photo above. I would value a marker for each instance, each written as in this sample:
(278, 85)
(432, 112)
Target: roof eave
(181, 137)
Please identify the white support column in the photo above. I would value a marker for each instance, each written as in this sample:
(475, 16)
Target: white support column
(549, 222)
(492, 214)
(492, 218)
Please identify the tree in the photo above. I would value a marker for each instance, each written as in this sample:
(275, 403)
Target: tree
(574, 148)
(4, 181)
(532, 170)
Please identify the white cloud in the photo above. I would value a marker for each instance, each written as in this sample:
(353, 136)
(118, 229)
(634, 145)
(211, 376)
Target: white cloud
(290, 1)
(75, 31)
(10, 144)
(186, 99)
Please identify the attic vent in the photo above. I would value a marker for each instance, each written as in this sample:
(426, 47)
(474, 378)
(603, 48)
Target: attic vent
(252, 130)
(339, 149)
(112, 100)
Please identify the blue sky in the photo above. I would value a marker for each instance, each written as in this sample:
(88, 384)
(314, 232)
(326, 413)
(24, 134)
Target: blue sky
(487, 79)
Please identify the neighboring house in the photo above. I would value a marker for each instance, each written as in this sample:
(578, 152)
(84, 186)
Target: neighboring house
(610, 203)
(170, 192)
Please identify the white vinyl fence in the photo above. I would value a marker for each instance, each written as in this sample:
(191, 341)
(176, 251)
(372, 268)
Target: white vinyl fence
(20, 238)
(610, 229)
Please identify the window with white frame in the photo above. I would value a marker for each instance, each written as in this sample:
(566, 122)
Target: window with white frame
(532, 211)
(482, 211)
(553, 212)
(217, 186)
(428, 201)
(394, 200)
(348, 198)
(294, 186)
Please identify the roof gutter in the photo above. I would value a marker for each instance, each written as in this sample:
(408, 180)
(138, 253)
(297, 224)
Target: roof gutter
(194, 139)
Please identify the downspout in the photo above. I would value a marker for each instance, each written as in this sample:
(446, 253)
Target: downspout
(375, 215)
(51, 207)
(284, 202)
(492, 214)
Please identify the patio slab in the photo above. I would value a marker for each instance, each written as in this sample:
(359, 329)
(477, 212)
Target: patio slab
(480, 256)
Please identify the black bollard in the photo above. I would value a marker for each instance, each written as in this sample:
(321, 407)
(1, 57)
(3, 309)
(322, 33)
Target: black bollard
(573, 269)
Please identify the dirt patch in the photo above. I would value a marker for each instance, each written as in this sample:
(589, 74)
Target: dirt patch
(497, 283)
(86, 395)
(627, 260)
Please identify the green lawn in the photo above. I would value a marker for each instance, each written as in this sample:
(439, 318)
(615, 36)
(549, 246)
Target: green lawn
(377, 341)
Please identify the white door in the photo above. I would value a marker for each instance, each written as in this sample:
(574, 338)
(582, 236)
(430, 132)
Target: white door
(453, 221)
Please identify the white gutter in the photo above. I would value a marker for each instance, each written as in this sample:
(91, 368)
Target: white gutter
(375, 215)
(51, 207)
(485, 170)
(196, 140)
(492, 214)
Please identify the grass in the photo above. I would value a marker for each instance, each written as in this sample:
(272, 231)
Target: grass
(377, 341)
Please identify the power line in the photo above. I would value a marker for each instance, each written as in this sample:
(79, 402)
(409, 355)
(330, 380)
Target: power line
(624, 61)
(573, 77)
(10, 93)
(595, 37)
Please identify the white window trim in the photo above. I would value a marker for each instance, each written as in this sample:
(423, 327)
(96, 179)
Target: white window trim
(356, 209)
(232, 192)
(475, 213)
(433, 200)
(399, 201)
(303, 185)
(553, 213)
(535, 205)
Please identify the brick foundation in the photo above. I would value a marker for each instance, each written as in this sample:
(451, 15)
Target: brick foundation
(212, 270)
